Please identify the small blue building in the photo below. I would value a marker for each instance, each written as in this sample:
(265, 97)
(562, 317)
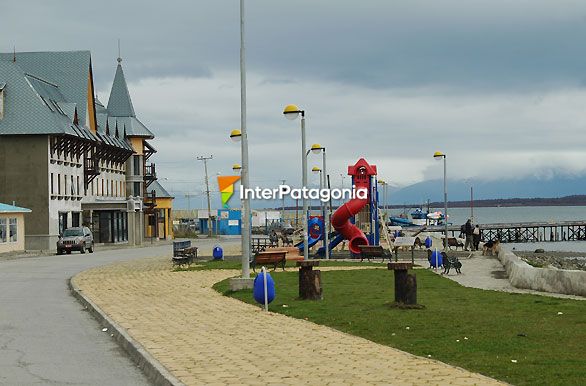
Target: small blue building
(226, 222)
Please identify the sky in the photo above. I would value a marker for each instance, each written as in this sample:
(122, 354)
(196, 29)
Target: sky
(498, 86)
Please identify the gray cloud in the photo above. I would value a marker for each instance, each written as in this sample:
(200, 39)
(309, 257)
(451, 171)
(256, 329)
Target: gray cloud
(497, 85)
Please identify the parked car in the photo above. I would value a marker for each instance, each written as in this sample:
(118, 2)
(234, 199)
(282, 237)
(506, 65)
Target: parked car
(75, 239)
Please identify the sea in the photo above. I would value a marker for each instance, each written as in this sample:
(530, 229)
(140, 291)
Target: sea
(518, 214)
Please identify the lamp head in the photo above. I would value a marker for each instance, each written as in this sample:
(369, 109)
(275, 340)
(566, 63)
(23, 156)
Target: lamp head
(236, 168)
(236, 135)
(291, 112)
(316, 148)
(439, 155)
(316, 169)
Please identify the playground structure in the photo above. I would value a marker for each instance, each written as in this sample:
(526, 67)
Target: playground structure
(356, 220)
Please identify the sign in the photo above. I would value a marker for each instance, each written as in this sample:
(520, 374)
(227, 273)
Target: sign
(233, 223)
(404, 241)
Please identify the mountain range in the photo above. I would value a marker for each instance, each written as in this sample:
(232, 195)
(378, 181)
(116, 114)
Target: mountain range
(528, 187)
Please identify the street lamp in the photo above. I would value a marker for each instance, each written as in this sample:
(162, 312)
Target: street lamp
(438, 155)
(236, 168)
(291, 112)
(236, 135)
(316, 148)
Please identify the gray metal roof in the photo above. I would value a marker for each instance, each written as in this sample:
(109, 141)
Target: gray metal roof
(159, 190)
(120, 104)
(120, 109)
(69, 70)
(25, 109)
(134, 127)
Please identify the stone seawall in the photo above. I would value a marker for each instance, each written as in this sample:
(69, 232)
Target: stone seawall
(523, 275)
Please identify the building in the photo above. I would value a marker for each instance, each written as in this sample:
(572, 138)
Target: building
(68, 157)
(12, 228)
(160, 213)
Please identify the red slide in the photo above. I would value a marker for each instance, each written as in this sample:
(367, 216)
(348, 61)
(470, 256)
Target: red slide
(341, 218)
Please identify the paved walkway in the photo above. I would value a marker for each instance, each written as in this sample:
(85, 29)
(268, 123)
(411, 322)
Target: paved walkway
(203, 337)
(487, 272)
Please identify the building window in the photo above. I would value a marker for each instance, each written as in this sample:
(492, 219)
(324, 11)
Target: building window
(2, 230)
(75, 219)
(59, 184)
(51, 183)
(136, 160)
(72, 187)
(137, 189)
(13, 230)
(78, 191)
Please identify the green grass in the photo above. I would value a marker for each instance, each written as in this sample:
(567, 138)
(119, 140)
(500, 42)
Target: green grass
(500, 327)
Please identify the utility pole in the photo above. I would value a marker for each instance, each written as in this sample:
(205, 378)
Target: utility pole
(205, 165)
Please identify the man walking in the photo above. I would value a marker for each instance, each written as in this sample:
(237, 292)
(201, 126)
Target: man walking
(469, 231)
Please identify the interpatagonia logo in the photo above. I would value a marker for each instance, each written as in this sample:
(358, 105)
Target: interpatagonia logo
(226, 184)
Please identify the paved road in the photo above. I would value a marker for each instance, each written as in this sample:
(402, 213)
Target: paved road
(45, 337)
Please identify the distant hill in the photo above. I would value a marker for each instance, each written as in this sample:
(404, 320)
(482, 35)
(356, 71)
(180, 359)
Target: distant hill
(569, 188)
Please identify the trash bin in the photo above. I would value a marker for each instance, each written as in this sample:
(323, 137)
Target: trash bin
(218, 253)
(259, 288)
(436, 259)
(428, 242)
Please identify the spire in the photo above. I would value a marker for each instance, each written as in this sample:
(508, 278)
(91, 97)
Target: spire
(120, 104)
(119, 56)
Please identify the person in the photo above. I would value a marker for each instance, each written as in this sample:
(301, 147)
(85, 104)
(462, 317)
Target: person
(468, 229)
(476, 237)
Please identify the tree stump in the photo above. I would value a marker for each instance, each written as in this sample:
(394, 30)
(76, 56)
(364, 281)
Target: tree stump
(309, 280)
(405, 284)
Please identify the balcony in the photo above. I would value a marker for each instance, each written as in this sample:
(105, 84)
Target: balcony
(91, 169)
(150, 174)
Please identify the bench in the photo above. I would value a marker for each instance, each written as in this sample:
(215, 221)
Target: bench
(374, 251)
(260, 244)
(185, 256)
(269, 257)
(454, 242)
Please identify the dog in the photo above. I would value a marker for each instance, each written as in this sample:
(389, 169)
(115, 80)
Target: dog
(451, 262)
(491, 247)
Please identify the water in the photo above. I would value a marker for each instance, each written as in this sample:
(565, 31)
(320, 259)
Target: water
(521, 214)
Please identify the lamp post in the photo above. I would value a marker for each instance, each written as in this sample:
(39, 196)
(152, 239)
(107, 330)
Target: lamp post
(439, 155)
(316, 148)
(292, 112)
(238, 136)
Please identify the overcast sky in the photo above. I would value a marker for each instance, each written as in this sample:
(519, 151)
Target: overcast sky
(498, 85)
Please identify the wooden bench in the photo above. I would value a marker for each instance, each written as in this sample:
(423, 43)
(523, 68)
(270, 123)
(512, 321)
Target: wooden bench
(453, 242)
(269, 257)
(374, 251)
(184, 256)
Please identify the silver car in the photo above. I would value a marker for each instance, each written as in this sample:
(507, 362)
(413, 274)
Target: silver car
(75, 239)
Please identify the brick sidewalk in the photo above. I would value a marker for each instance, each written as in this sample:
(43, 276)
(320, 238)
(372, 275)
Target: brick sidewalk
(203, 337)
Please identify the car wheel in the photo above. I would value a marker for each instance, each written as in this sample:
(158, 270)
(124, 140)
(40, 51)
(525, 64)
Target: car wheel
(91, 248)
(82, 249)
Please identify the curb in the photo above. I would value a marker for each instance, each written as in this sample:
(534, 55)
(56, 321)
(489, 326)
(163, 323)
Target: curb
(154, 370)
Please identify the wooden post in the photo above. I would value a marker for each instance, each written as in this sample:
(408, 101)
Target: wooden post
(309, 280)
(405, 284)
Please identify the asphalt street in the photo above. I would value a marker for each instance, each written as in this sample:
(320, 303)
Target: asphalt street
(46, 337)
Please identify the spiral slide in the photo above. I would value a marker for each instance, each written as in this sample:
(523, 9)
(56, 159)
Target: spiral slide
(341, 218)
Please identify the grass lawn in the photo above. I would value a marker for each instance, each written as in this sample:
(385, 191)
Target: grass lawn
(483, 331)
